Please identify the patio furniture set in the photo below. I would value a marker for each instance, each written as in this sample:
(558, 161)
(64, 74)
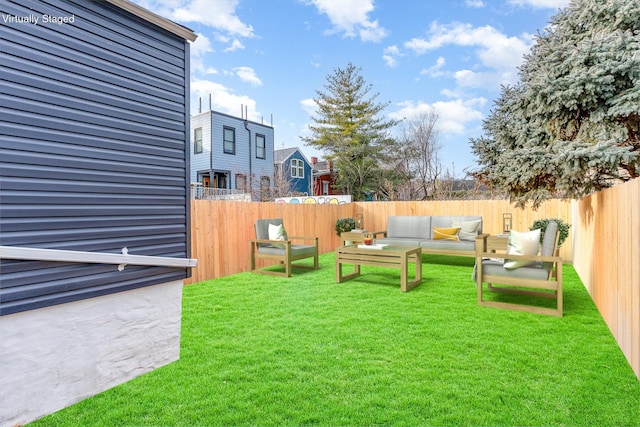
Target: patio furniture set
(521, 263)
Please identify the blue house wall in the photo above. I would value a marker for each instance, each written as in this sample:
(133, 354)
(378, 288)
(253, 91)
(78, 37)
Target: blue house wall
(285, 158)
(301, 185)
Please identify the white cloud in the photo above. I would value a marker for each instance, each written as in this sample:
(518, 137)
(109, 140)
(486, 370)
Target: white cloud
(436, 69)
(496, 49)
(390, 60)
(351, 17)
(453, 116)
(474, 3)
(199, 49)
(498, 55)
(390, 55)
(487, 80)
(541, 4)
(222, 99)
(309, 105)
(235, 45)
(218, 14)
(393, 50)
(201, 46)
(248, 74)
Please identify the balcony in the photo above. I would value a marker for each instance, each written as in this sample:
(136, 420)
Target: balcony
(210, 193)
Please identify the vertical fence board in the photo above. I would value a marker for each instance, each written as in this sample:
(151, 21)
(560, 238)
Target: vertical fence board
(634, 233)
(607, 259)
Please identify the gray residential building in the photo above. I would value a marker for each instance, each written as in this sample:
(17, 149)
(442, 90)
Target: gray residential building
(230, 155)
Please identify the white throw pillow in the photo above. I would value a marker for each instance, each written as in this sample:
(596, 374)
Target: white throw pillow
(277, 232)
(522, 243)
(468, 229)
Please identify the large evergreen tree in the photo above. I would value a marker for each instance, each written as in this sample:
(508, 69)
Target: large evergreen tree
(349, 130)
(571, 126)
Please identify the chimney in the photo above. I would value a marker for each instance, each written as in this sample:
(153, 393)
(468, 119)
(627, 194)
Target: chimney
(314, 160)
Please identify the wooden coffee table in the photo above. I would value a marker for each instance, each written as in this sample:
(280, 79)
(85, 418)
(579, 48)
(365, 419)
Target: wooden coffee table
(390, 256)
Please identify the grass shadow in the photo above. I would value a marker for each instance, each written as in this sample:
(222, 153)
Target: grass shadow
(458, 261)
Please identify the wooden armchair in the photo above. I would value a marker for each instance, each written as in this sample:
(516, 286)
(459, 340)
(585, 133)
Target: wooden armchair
(283, 251)
(541, 279)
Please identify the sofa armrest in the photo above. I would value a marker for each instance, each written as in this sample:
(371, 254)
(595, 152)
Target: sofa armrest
(481, 243)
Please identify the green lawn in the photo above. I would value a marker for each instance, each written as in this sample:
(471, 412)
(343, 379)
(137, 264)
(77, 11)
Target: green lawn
(260, 351)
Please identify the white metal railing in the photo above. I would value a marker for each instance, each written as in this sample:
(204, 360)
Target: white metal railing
(212, 193)
(121, 260)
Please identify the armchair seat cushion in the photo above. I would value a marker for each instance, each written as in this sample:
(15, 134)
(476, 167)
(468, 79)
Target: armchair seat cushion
(296, 250)
(448, 244)
(496, 268)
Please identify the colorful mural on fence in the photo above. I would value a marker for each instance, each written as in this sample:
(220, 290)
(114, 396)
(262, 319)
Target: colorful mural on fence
(315, 200)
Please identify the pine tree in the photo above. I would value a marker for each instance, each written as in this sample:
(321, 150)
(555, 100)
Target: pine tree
(347, 127)
(571, 126)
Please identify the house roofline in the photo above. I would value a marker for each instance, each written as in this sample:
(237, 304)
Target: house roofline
(219, 113)
(156, 19)
(291, 154)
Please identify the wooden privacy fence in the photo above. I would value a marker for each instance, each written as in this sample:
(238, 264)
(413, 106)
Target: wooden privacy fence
(221, 230)
(607, 259)
(603, 243)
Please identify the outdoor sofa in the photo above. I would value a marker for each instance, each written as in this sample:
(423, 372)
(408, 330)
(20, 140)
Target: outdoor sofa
(446, 235)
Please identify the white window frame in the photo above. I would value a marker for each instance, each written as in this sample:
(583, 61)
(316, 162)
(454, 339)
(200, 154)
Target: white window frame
(261, 146)
(197, 141)
(297, 168)
(228, 145)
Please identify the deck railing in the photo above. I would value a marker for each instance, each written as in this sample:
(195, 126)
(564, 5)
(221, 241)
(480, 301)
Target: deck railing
(210, 193)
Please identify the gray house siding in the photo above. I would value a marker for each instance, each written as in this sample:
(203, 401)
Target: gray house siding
(201, 162)
(243, 160)
(261, 167)
(93, 124)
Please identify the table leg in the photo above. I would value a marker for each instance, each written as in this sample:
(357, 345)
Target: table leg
(405, 285)
(404, 272)
(341, 277)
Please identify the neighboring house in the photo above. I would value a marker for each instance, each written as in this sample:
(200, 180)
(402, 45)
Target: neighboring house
(94, 207)
(294, 170)
(231, 154)
(323, 178)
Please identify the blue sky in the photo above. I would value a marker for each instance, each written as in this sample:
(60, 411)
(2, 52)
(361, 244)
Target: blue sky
(446, 56)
